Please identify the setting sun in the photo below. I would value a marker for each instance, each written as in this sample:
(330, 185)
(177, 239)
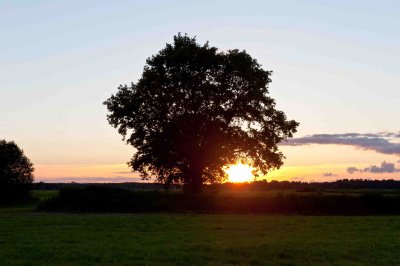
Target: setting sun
(239, 173)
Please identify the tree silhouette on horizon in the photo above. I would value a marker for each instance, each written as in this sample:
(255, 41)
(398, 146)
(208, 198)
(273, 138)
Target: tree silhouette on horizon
(16, 172)
(195, 110)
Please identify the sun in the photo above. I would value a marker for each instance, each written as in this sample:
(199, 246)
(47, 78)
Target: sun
(239, 173)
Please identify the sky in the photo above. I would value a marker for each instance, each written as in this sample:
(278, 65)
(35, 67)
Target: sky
(336, 70)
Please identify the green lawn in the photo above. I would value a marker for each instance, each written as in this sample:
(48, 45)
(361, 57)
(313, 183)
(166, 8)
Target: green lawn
(33, 238)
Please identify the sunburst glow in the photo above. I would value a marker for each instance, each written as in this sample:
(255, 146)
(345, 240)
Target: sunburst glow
(239, 173)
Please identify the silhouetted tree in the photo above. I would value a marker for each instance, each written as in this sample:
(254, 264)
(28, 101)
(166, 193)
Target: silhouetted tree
(196, 109)
(15, 172)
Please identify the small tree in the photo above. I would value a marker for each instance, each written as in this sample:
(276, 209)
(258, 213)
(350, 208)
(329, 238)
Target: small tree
(195, 110)
(16, 172)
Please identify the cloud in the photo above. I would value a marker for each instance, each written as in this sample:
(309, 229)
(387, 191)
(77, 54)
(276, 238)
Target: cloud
(378, 142)
(124, 172)
(352, 170)
(299, 179)
(383, 168)
(328, 174)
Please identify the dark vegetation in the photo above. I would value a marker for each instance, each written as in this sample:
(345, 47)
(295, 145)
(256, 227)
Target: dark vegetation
(239, 201)
(356, 184)
(16, 173)
(196, 109)
(316, 186)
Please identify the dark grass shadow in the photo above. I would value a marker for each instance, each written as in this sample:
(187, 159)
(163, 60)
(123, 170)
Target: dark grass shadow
(116, 200)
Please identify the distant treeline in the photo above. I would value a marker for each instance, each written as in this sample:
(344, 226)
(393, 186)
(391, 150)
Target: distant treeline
(257, 185)
(313, 186)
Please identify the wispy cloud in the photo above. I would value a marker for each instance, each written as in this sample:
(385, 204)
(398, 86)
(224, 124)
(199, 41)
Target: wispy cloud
(298, 179)
(383, 142)
(328, 174)
(124, 172)
(383, 168)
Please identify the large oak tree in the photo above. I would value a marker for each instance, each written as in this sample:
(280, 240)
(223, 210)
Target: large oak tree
(195, 110)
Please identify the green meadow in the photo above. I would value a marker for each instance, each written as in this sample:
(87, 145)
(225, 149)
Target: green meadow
(29, 237)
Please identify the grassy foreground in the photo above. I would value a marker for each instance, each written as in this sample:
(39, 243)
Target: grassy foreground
(33, 238)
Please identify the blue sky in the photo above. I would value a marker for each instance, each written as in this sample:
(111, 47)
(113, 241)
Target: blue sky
(336, 69)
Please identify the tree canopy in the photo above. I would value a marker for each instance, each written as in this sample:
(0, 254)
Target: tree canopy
(195, 110)
(16, 171)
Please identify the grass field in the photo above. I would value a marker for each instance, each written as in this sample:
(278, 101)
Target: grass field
(33, 238)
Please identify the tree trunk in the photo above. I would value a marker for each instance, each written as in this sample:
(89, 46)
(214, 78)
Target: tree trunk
(196, 180)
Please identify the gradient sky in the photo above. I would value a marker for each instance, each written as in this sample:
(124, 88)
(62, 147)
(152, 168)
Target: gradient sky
(336, 70)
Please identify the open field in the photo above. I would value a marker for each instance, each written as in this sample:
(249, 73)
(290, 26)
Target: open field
(34, 238)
